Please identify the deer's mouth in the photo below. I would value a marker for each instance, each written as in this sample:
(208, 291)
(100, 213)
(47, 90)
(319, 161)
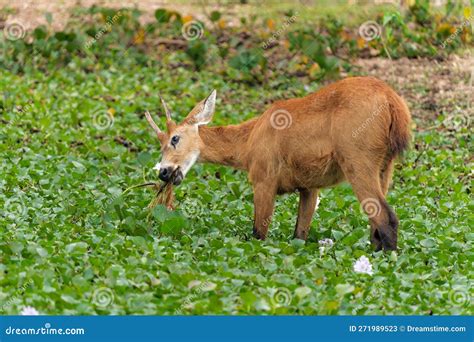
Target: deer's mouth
(177, 176)
(170, 175)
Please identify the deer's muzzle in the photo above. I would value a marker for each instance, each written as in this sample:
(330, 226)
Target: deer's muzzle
(167, 174)
(177, 177)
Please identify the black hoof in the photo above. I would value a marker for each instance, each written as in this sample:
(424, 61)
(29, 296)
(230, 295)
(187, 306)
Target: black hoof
(258, 235)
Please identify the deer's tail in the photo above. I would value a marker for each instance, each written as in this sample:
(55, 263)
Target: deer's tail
(399, 133)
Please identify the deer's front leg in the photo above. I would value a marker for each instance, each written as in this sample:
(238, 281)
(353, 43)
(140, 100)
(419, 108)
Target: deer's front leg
(264, 201)
(307, 206)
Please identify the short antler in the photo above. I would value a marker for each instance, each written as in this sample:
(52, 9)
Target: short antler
(167, 111)
(169, 122)
(152, 123)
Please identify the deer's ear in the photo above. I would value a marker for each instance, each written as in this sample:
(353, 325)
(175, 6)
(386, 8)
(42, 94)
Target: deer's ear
(203, 112)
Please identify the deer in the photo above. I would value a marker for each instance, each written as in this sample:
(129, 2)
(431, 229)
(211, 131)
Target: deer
(351, 130)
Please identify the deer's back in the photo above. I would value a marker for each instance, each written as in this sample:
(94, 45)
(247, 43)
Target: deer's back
(300, 140)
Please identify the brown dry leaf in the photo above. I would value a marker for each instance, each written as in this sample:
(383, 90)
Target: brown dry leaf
(345, 35)
(187, 18)
(446, 28)
(139, 38)
(361, 43)
(221, 23)
(270, 24)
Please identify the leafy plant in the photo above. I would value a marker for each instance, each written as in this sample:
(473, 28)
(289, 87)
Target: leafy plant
(73, 138)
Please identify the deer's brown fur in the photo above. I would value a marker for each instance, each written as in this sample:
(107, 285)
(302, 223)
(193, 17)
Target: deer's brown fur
(350, 130)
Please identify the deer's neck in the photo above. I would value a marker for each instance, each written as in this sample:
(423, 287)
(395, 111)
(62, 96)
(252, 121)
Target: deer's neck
(225, 145)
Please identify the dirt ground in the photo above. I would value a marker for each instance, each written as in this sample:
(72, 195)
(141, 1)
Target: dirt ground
(430, 87)
(31, 13)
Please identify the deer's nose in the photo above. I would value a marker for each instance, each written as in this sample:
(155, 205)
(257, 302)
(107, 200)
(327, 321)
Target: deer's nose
(165, 174)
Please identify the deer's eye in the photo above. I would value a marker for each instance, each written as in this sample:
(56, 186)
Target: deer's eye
(175, 140)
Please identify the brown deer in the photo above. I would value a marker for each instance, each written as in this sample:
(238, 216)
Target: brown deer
(350, 130)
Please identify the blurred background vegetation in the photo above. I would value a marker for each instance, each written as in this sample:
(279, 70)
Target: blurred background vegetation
(246, 41)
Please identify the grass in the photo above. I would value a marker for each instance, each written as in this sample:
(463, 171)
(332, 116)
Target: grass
(73, 138)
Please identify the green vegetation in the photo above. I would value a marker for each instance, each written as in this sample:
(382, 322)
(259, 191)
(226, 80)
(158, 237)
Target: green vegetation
(252, 51)
(73, 138)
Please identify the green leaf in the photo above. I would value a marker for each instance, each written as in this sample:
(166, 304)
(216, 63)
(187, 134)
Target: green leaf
(262, 305)
(162, 15)
(302, 291)
(49, 17)
(76, 248)
(215, 16)
(16, 246)
(428, 243)
(343, 289)
(248, 298)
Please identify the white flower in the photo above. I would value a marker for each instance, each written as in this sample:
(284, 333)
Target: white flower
(29, 311)
(157, 166)
(363, 265)
(326, 242)
(324, 245)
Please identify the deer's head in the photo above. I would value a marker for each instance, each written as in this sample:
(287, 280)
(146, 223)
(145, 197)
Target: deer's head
(181, 143)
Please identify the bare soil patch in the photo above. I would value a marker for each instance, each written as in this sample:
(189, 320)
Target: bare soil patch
(430, 87)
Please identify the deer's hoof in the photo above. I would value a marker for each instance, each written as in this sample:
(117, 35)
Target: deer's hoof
(259, 235)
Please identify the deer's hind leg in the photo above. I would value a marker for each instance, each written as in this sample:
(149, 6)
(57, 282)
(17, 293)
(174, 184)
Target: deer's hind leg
(366, 183)
(307, 206)
(264, 202)
(386, 176)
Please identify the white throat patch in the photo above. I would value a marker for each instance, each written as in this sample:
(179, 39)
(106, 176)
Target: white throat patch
(190, 162)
